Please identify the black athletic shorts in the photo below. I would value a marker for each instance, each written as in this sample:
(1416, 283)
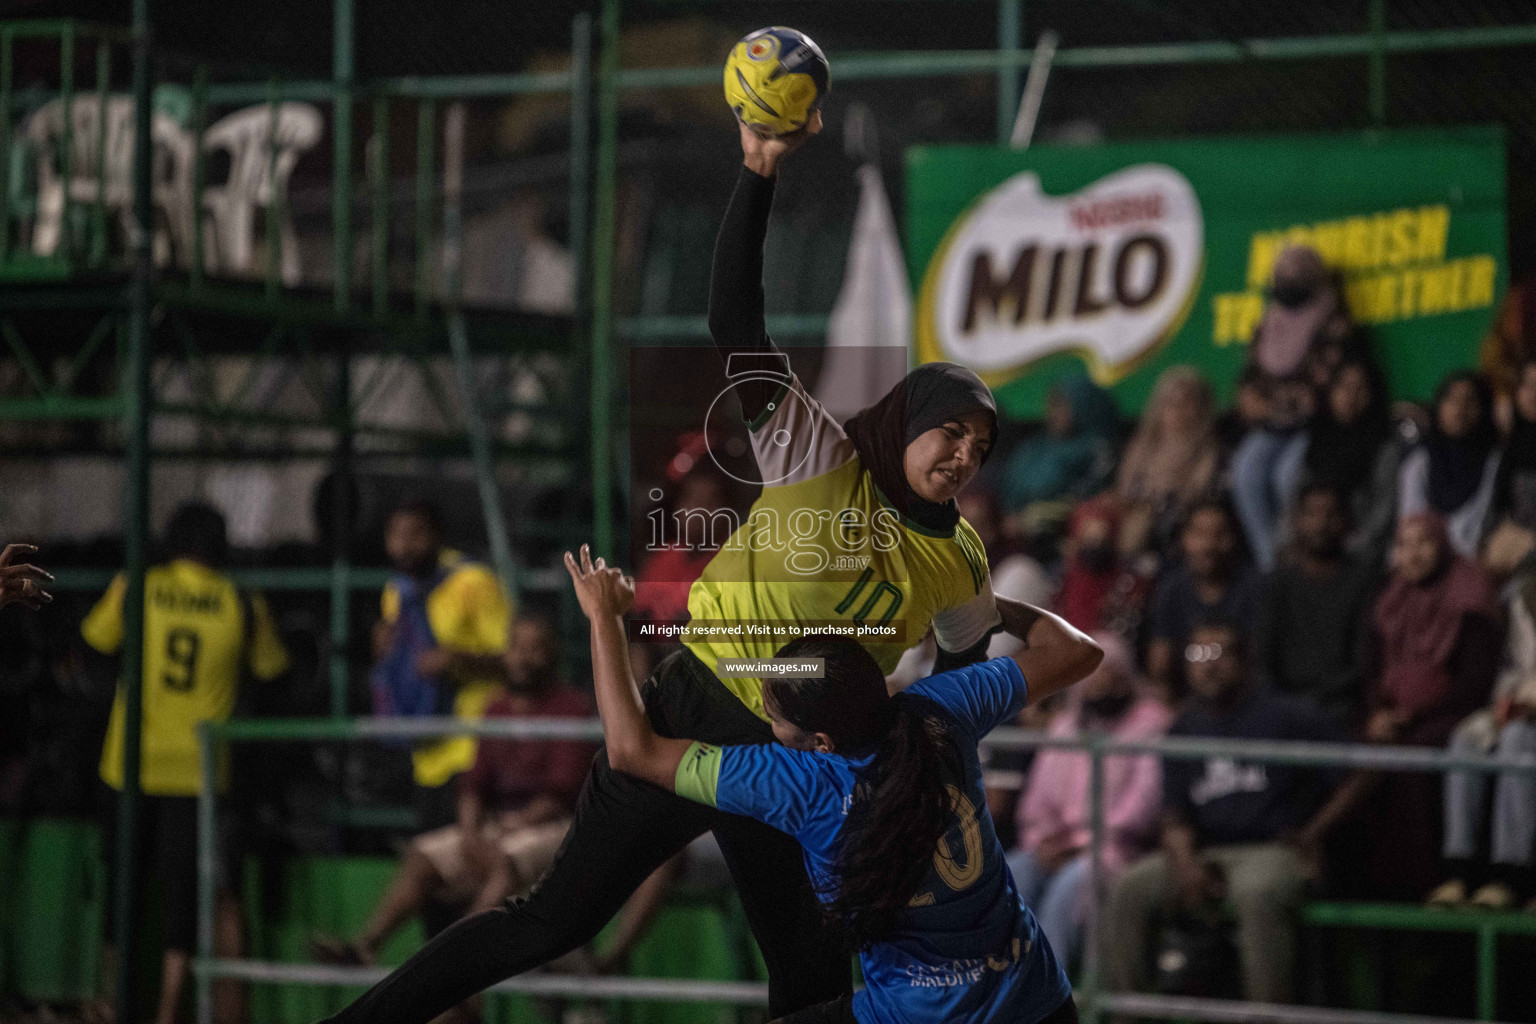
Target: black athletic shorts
(167, 851)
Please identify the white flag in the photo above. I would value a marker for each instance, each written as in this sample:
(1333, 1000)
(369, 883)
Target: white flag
(873, 309)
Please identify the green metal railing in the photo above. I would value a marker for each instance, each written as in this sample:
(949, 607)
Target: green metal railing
(1093, 1000)
(594, 85)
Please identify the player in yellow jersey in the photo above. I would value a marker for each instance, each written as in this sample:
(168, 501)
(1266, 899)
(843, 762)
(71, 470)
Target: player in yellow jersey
(201, 637)
(443, 629)
(879, 491)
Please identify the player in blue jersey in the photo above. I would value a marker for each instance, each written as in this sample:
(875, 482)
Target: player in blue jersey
(885, 796)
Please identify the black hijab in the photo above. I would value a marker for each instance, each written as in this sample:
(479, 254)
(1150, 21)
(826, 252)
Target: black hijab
(930, 396)
(1519, 460)
(1456, 463)
(1343, 455)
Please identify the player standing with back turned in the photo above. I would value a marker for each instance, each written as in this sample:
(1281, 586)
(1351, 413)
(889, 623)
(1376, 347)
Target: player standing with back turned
(202, 636)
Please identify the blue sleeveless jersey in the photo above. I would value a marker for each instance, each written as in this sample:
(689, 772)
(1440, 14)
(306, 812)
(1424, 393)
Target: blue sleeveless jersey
(967, 949)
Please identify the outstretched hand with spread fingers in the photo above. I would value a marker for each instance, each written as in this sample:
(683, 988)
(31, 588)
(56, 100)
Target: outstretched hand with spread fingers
(601, 590)
(22, 584)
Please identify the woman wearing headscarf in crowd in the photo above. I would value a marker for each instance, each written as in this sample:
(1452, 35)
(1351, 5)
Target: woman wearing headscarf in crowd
(1100, 589)
(1511, 341)
(1073, 457)
(1170, 462)
(1305, 321)
(1431, 654)
(1453, 469)
(1513, 534)
(1354, 450)
(1505, 729)
(1050, 865)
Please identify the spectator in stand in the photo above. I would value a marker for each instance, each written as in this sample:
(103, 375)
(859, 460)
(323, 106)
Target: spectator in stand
(1214, 580)
(1453, 469)
(438, 648)
(1248, 412)
(513, 806)
(1353, 448)
(1511, 343)
(1050, 866)
(1304, 321)
(1506, 729)
(22, 584)
(1513, 535)
(1314, 606)
(201, 635)
(1074, 457)
(1171, 460)
(1431, 654)
(1100, 588)
(1248, 833)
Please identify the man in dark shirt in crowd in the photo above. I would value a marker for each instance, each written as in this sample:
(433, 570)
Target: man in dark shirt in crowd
(1244, 831)
(514, 805)
(1214, 581)
(1313, 607)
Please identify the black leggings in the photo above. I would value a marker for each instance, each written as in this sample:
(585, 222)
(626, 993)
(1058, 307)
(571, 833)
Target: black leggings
(840, 1011)
(625, 829)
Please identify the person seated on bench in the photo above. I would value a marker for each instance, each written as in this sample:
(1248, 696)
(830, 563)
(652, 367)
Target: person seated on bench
(514, 805)
(1504, 729)
(1246, 831)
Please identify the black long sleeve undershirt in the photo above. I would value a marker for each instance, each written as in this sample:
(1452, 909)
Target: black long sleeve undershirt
(736, 317)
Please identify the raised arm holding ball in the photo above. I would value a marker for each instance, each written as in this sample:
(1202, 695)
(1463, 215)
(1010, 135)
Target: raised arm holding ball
(900, 463)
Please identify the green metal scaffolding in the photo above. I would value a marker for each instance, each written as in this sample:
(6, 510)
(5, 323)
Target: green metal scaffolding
(354, 318)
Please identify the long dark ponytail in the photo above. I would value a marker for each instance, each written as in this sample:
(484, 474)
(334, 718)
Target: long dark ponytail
(901, 808)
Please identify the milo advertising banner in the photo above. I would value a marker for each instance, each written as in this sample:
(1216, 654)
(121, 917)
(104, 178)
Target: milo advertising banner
(1128, 258)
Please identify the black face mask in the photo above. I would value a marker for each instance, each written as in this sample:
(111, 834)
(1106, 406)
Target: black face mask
(1291, 296)
(1096, 559)
(1108, 707)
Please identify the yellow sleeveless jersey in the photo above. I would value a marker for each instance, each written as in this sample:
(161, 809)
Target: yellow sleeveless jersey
(469, 612)
(822, 550)
(200, 636)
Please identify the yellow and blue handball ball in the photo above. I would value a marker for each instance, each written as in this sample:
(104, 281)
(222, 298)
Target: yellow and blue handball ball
(774, 79)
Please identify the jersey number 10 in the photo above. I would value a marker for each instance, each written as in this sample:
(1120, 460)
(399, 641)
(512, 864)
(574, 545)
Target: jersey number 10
(881, 589)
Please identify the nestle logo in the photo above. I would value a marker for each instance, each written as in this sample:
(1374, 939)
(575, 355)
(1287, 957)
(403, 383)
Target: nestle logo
(1105, 213)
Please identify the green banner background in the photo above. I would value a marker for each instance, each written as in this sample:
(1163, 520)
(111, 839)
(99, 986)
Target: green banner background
(1246, 186)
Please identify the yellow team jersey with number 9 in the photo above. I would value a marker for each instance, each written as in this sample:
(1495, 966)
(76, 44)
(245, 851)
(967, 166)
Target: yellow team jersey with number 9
(821, 548)
(199, 638)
